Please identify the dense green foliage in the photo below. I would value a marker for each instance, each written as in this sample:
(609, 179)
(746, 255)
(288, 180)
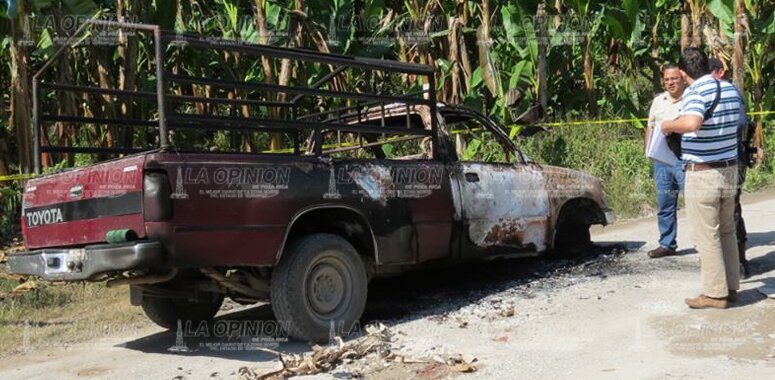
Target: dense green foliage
(10, 203)
(586, 59)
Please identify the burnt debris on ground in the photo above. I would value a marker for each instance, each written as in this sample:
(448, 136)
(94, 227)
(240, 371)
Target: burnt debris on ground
(483, 288)
(431, 293)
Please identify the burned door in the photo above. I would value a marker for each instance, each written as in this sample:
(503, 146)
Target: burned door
(409, 205)
(404, 191)
(503, 202)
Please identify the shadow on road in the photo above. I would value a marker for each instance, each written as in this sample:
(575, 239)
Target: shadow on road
(752, 296)
(410, 296)
(686, 251)
(246, 335)
(756, 239)
(762, 264)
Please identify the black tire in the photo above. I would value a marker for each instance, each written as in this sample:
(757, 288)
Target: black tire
(320, 279)
(572, 238)
(166, 312)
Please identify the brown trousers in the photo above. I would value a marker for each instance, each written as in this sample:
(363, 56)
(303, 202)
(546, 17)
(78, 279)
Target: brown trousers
(710, 206)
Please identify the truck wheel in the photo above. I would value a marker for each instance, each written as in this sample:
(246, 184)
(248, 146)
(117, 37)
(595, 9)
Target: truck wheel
(166, 312)
(572, 238)
(320, 280)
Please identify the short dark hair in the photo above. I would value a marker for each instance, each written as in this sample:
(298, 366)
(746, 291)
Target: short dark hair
(715, 64)
(668, 66)
(694, 62)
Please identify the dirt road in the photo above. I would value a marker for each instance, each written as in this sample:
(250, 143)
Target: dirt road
(617, 315)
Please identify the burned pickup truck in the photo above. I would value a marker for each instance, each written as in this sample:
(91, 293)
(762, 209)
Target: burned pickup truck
(297, 194)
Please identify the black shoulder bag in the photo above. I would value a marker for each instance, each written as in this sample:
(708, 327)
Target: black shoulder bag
(674, 139)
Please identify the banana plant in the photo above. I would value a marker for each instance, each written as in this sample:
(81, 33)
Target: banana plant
(760, 61)
(588, 13)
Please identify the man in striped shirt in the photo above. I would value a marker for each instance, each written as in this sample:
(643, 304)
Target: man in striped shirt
(709, 149)
(719, 72)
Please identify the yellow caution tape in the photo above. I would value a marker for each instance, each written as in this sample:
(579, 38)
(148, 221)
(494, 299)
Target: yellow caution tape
(16, 177)
(761, 113)
(617, 121)
(588, 122)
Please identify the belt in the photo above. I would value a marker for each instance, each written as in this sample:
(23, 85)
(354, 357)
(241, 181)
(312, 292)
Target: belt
(697, 166)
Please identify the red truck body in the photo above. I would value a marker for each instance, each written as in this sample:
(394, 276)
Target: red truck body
(416, 182)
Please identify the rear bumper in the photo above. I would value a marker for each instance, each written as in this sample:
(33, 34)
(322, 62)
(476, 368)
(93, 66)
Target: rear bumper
(88, 262)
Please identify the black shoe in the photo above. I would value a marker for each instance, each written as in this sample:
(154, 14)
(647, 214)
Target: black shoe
(661, 252)
(745, 272)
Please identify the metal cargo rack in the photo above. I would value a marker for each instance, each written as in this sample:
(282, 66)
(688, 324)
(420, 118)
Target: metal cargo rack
(304, 115)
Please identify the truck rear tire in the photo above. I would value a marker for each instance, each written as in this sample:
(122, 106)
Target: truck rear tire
(320, 280)
(166, 312)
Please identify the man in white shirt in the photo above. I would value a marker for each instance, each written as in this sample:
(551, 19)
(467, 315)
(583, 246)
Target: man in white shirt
(669, 177)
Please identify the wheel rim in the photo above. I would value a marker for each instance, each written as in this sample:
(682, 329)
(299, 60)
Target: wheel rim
(329, 286)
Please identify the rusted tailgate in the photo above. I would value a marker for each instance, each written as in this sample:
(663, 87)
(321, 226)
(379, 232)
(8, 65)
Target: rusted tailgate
(80, 206)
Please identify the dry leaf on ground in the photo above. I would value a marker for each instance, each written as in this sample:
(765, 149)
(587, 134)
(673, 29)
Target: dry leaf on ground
(25, 287)
(377, 341)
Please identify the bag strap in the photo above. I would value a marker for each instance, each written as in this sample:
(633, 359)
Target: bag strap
(709, 112)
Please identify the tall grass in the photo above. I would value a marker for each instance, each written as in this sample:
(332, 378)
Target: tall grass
(58, 315)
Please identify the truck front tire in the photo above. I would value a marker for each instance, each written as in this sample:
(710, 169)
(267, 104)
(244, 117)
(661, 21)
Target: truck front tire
(572, 238)
(320, 282)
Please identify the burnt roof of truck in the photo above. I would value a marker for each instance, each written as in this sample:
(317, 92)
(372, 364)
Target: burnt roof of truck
(239, 106)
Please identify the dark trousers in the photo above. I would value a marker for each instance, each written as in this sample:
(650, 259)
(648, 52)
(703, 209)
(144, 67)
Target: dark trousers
(742, 234)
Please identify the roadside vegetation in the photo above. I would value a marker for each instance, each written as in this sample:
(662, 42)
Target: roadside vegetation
(35, 315)
(614, 152)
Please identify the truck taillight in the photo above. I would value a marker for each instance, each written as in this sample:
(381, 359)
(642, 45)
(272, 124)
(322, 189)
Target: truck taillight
(157, 204)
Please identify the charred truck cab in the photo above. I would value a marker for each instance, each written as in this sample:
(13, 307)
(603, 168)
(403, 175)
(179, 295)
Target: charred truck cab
(297, 194)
